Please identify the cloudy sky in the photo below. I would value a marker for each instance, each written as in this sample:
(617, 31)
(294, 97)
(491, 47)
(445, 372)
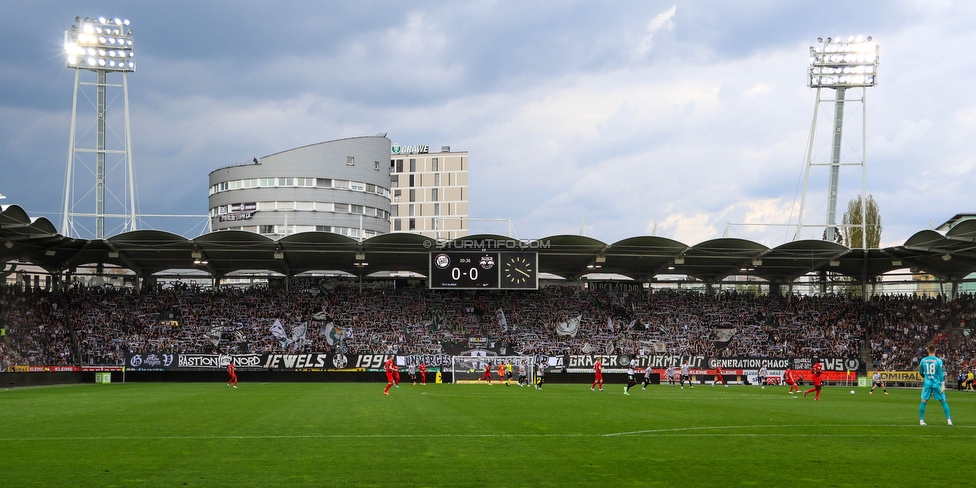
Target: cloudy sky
(612, 118)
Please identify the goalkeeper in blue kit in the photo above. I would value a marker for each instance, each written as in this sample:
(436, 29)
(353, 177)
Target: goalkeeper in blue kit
(930, 367)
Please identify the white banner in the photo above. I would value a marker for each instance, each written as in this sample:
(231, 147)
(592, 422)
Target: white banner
(278, 331)
(569, 328)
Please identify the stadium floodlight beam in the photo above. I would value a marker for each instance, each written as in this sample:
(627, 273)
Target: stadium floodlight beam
(838, 64)
(101, 46)
(843, 64)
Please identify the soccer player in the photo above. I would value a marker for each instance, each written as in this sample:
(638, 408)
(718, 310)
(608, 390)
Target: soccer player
(876, 381)
(762, 376)
(540, 376)
(669, 373)
(233, 375)
(719, 377)
(501, 373)
(816, 371)
(631, 371)
(487, 375)
(396, 375)
(388, 367)
(423, 373)
(685, 376)
(930, 367)
(508, 373)
(412, 369)
(597, 375)
(522, 380)
(788, 378)
(647, 378)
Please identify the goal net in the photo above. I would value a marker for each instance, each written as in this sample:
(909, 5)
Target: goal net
(471, 369)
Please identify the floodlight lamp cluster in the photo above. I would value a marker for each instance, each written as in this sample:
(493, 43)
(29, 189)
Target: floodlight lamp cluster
(99, 44)
(836, 63)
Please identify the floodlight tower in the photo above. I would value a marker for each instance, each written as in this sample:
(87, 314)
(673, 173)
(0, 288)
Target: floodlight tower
(101, 46)
(838, 64)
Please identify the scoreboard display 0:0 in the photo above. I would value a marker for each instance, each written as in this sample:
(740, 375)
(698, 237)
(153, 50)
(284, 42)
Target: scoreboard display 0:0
(463, 270)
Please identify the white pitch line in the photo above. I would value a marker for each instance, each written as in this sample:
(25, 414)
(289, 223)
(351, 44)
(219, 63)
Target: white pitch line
(676, 432)
(764, 427)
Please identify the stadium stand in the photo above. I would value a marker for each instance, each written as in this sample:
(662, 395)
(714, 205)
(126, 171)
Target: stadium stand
(97, 326)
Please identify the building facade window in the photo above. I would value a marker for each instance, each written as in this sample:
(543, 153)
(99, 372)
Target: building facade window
(433, 164)
(413, 195)
(413, 165)
(412, 225)
(350, 160)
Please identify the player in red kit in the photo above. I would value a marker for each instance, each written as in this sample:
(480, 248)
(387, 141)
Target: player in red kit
(487, 375)
(815, 371)
(233, 375)
(388, 366)
(789, 380)
(719, 377)
(396, 375)
(597, 375)
(423, 373)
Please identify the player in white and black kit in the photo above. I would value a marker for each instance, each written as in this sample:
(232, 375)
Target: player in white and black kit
(631, 371)
(540, 376)
(522, 381)
(685, 376)
(762, 376)
(876, 381)
(412, 369)
(669, 374)
(647, 378)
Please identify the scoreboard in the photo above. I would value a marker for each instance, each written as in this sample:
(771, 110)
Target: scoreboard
(485, 270)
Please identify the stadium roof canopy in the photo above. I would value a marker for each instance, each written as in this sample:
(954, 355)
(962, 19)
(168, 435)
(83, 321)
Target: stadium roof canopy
(948, 257)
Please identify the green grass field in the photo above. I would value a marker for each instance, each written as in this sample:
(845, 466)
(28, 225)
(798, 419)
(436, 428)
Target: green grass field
(326, 434)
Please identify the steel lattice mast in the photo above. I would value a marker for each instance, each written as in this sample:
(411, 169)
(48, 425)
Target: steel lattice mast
(101, 46)
(839, 64)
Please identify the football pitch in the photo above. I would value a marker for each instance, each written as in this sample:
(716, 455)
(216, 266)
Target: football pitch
(332, 434)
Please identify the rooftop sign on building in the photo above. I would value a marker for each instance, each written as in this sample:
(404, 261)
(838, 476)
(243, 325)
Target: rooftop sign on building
(398, 149)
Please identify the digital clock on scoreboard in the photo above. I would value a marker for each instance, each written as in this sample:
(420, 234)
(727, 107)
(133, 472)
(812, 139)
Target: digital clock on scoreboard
(462, 270)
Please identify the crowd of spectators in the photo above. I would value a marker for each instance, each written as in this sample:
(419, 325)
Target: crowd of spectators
(97, 326)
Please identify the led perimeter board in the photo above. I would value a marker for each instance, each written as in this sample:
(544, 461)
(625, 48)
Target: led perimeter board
(486, 270)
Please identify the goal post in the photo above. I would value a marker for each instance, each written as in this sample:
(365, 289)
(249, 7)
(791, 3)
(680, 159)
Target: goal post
(471, 369)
